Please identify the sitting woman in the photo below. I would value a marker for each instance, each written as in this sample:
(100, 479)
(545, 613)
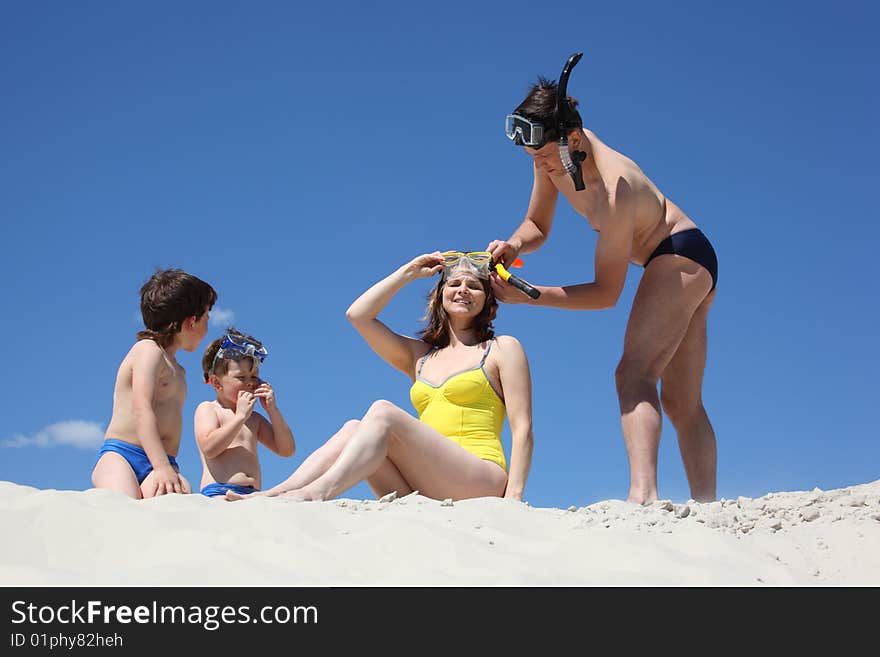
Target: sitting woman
(464, 380)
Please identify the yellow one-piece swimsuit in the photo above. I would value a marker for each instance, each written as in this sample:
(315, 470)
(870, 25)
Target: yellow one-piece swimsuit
(465, 408)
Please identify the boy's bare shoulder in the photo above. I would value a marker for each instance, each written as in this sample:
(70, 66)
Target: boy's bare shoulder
(138, 355)
(206, 417)
(208, 405)
(145, 349)
(146, 354)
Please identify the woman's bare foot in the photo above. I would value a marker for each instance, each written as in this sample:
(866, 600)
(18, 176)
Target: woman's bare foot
(301, 495)
(233, 497)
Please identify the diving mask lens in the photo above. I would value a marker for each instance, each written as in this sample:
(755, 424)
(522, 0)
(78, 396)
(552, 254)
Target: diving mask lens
(524, 132)
(234, 345)
(476, 262)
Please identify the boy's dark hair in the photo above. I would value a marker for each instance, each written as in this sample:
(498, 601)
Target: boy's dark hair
(168, 298)
(540, 106)
(222, 365)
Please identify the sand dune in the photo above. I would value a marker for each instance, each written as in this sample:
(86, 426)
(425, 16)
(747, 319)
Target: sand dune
(96, 537)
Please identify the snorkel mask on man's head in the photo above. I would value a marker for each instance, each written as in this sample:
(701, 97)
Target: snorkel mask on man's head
(534, 134)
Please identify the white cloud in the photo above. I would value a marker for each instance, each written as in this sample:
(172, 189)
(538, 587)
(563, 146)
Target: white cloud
(221, 317)
(77, 433)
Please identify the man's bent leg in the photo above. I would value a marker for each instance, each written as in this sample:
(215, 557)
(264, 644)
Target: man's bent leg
(670, 291)
(682, 399)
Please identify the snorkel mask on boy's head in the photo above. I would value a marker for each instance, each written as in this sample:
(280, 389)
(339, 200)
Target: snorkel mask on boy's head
(476, 263)
(534, 134)
(236, 346)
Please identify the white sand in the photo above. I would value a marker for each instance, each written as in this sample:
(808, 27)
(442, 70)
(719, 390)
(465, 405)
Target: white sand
(97, 537)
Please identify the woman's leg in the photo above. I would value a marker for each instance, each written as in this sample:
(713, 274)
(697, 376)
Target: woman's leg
(425, 459)
(387, 479)
(313, 467)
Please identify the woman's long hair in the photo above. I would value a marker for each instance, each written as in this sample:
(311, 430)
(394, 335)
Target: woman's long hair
(436, 331)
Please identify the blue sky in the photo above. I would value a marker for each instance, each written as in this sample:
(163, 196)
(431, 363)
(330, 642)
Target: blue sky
(292, 156)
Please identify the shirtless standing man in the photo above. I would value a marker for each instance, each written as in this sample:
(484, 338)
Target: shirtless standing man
(665, 336)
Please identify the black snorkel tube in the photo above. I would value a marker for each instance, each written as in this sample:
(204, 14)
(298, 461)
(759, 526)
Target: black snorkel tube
(564, 117)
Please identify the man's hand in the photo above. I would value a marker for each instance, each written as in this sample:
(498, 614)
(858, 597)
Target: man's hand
(503, 251)
(245, 404)
(505, 292)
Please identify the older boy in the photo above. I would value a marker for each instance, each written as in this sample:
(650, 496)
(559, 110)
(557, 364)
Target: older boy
(227, 429)
(143, 437)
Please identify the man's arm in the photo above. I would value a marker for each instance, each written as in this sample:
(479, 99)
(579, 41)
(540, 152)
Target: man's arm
(535, 228)
(611, 261)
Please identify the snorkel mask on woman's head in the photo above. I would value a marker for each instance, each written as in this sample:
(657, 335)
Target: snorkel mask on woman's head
(525, 132)
(480, 264)
(472, 262)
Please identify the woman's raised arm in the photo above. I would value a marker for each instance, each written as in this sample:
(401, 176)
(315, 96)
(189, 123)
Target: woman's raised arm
(397, 350)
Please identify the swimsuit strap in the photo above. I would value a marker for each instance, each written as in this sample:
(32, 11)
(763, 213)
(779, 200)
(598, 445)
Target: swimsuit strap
(486, 353)
(423, 359)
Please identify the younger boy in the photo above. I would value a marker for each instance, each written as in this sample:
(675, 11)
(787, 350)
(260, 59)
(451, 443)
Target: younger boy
(227, 429)
(142, 440)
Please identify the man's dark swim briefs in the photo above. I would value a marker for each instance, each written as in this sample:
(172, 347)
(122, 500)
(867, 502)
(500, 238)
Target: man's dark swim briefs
(693, 245)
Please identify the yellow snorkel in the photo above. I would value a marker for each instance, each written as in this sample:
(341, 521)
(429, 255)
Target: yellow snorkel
(480, 263)
(516, 281)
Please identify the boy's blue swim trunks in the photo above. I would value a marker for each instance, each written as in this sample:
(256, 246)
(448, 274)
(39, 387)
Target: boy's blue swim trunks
(136, 457)
(214, 490)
